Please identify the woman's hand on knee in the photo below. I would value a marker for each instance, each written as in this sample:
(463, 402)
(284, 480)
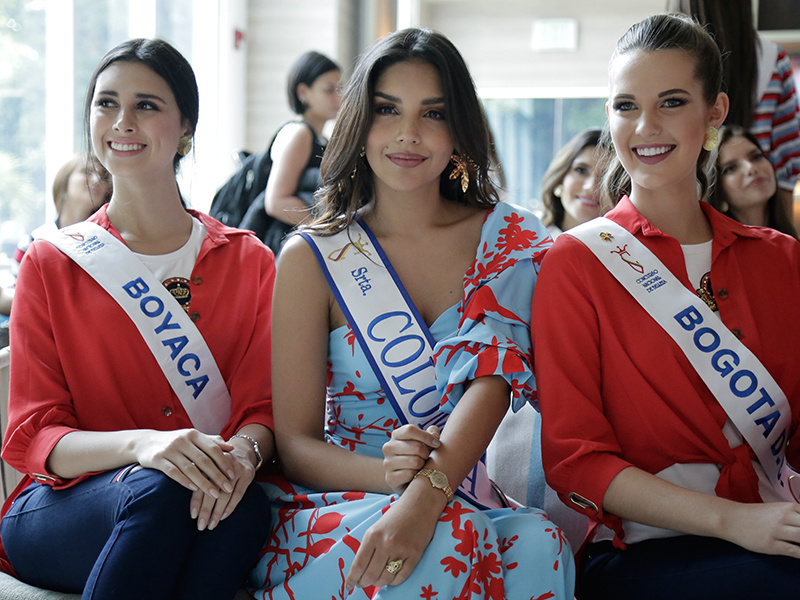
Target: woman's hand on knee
(406, 453)
(399, 535)
(208, 509)
(195, 460)
(769, 528)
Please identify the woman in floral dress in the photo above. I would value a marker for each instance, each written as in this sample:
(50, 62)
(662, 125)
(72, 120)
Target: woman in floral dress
(411, 259)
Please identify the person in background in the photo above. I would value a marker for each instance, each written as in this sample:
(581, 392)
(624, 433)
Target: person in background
(313, 90)
(666, 338)
(569, 191)
(758, 80)
(382, 444)
(80, 186)
(746, 187)
(140, 394)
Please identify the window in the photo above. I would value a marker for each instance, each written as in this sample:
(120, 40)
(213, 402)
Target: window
(49, 51)
(529, 131)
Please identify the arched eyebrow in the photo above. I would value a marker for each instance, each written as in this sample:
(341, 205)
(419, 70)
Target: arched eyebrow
(426, 102)
(114, 94)
(673, 91)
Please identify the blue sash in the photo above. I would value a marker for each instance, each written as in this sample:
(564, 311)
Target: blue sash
(392, 334)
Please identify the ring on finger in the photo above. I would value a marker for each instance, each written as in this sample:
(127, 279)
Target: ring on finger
(394, 566)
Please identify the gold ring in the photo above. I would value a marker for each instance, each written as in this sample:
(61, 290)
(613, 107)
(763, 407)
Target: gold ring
(394, 566)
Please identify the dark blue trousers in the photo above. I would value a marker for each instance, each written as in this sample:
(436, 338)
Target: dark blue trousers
(686, 568)
(128, 535)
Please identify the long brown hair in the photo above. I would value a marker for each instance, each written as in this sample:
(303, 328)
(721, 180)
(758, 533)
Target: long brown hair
(347, 178)
(777, 218)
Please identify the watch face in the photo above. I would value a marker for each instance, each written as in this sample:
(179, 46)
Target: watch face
(439, 479)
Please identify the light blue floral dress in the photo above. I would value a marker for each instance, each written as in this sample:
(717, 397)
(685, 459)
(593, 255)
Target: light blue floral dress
(514, 553)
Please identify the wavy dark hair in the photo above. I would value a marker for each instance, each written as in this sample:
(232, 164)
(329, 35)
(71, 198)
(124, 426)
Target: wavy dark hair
(166, 62)
(558, 169)
(776, 213)
(669, 32)
(347, 178)
(730, 23)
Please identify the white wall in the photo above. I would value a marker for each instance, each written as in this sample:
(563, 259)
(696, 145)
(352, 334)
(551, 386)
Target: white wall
(278, 32)
(495, 38)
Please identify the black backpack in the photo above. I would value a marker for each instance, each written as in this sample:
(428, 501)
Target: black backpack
(240, 201)
(234, 198)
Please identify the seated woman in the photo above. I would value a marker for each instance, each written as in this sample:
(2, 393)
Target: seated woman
(569, 187)
(746, 188)
(666, 343)
(139, 405)
(424, 327)
(80, 186)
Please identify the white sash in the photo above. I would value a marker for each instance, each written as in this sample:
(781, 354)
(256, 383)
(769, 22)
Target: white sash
(392, 334)
(750, 396)
(174, 340)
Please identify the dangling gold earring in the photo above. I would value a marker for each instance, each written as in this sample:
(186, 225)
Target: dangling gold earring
(712, 138)
(361, 155)
(184, 145)
(461, 169)
(724, 207)
(558, 190)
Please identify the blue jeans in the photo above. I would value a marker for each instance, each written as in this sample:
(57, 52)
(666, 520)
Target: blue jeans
(685, 567)
(128, 534)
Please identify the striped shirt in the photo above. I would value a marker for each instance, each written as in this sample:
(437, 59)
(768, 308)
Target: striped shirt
(776, 123)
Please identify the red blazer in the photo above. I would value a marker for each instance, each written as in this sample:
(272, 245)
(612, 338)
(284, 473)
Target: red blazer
(79, 363)
(615, 390)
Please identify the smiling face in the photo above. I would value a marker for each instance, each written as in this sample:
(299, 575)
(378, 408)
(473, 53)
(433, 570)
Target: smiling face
(658, 119)
(135, 123)
(579, 196)
(408, 145)
(746, 176)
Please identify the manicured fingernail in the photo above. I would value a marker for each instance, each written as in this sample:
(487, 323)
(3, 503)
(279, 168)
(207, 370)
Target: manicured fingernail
(214, 493)
(201, 524)
(212, 525)
(194, 513)
(228, 488)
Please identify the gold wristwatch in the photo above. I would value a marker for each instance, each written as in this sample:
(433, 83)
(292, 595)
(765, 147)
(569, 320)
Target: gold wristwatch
(438, 480)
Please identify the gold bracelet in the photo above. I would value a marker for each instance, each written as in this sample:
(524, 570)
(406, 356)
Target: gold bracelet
(256, 448)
